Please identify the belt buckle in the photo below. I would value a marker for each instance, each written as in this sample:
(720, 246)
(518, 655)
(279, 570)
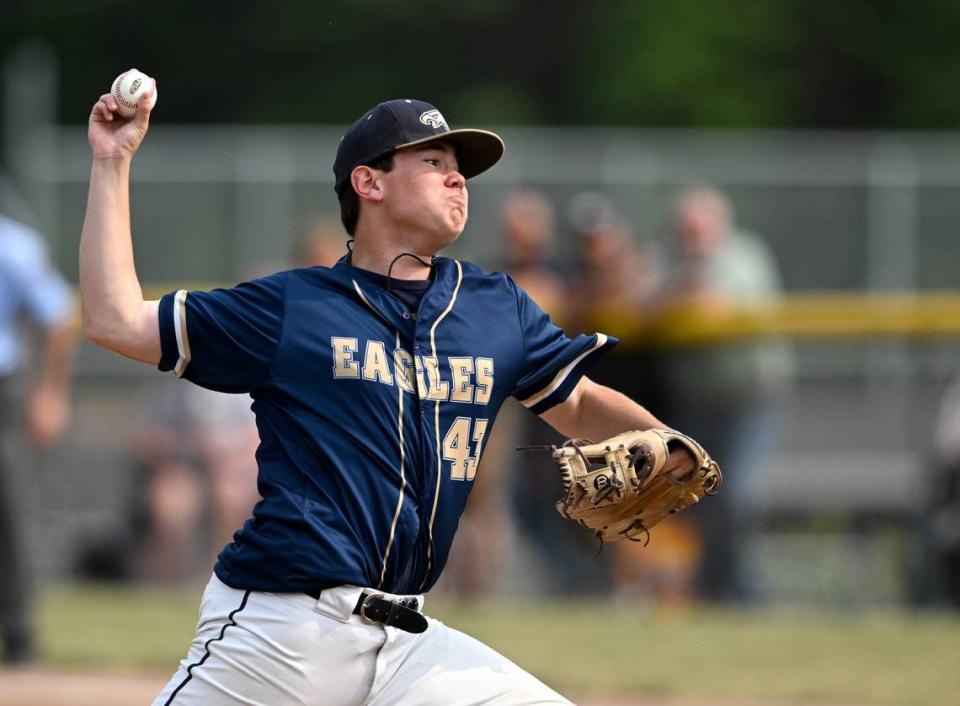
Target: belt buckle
(363, 609)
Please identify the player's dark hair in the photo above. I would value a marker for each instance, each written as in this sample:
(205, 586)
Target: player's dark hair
(350, 202)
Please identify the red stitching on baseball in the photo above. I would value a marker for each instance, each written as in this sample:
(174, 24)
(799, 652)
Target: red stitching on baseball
(118, 94)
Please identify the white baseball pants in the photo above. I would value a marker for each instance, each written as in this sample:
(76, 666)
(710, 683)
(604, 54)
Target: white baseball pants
(274, 649)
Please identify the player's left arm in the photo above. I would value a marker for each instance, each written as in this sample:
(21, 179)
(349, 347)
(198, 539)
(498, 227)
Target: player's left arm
(594, 411)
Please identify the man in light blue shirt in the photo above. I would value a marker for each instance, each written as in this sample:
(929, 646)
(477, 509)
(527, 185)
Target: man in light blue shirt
(33, 295)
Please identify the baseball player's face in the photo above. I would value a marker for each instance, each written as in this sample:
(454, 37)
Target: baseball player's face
(426, 195)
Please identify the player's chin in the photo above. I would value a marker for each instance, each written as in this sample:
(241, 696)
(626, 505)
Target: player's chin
(458, 220)
(449, 237)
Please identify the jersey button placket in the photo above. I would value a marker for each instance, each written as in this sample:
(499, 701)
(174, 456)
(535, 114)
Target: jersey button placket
(416, 351)
(426, 430)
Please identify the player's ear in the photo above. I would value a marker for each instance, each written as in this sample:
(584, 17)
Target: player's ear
(367, 183)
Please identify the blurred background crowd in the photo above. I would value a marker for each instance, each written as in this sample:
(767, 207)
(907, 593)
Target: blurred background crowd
(840, 442)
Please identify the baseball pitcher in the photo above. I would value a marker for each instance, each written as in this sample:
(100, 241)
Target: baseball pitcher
(374, 383)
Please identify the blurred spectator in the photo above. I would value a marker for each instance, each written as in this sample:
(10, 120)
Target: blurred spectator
(198, 450)
(323, 243)
(939, 566)
(529, 249)
(614, 278)
(528, 227)
(725, 393)
(195, 450)
(198, 479)
(32, 292)
(507, 480)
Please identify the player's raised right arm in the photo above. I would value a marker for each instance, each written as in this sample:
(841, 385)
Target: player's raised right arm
(115, 314)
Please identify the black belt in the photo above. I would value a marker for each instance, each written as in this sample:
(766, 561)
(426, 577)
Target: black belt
(376, 608)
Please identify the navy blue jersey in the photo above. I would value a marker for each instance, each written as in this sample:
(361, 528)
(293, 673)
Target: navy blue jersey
(372, 420)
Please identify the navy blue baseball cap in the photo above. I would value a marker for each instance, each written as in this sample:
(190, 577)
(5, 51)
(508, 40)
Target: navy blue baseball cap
(404, 122)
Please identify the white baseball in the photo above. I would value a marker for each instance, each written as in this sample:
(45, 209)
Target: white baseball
(127, 89)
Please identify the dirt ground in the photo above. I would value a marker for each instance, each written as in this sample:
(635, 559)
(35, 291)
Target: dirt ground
(38, 687)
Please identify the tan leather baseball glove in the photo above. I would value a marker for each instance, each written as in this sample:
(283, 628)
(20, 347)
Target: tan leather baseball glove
(617, 488)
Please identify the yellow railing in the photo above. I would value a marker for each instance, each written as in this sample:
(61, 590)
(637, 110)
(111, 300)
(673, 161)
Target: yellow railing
(813, 315)
(820, 315)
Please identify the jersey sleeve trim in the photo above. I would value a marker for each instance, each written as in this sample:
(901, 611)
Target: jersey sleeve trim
(168, 337)
(180, 329)
(564, 374)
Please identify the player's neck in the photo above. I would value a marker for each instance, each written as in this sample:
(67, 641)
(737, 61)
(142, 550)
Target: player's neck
(377, 256)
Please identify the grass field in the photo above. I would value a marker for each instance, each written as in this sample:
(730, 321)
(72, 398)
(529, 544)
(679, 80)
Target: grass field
(590, 647)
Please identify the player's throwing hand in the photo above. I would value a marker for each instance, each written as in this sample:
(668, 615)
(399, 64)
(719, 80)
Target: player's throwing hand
(112, 135)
